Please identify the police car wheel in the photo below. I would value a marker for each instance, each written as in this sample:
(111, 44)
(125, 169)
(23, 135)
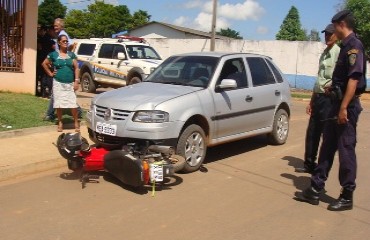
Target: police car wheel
(87, 83)
(134, 80)
(280, 128)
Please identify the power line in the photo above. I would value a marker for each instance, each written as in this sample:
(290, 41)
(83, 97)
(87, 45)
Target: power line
(80, 1)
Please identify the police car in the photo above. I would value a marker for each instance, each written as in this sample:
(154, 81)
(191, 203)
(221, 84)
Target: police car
(106, 62)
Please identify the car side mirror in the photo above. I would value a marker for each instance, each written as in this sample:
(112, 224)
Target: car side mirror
(226, 84)
(121, 56)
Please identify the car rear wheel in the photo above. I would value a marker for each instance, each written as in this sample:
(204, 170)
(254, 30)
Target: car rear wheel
(87, 83)
(193, 147)
(280, 128)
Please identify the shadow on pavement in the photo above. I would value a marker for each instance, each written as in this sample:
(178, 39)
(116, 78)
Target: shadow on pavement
(302, 182)
(235, 148)
(167, 184)
(294, 161)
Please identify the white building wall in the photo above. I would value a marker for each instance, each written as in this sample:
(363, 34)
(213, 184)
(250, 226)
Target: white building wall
(292, 57)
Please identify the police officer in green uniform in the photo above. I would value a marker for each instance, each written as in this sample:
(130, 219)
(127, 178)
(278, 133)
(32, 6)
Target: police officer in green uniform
(349, 81)
(320, 103)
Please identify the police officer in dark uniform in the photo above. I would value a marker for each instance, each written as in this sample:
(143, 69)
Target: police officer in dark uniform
(349, 81)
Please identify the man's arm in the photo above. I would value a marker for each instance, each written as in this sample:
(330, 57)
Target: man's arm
(347, 98)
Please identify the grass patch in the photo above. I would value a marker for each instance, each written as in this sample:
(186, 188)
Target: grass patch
(302, 95)
(24, 111)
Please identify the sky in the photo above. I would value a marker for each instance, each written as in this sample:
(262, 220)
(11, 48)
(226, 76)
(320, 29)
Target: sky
(253, 19)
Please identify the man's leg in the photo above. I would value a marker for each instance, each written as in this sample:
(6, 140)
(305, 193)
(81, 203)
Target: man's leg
(50, 113)
(347, 159)
(321, 172)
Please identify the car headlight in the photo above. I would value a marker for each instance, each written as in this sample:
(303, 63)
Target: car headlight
(151, 117)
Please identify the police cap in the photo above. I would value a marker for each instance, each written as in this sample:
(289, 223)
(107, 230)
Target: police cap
(329, 29)
(340, 16)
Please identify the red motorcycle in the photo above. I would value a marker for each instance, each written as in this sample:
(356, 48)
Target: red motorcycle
(133, 164)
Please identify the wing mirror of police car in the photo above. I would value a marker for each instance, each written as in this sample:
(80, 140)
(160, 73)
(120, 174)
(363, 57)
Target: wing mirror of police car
(121, 56)
(226, 84)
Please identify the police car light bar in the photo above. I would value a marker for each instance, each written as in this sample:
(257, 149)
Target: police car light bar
(130, 38)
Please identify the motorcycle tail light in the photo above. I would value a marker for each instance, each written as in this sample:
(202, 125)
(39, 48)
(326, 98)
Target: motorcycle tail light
(146, 176)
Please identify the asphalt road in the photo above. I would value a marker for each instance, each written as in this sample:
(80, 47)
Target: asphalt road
(246, 193)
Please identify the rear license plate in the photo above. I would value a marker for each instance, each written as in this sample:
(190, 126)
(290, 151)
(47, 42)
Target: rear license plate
(106, 128)
(156, 173)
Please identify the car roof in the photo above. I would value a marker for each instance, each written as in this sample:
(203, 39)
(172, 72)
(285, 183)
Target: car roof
(109, 40)
(221, 54)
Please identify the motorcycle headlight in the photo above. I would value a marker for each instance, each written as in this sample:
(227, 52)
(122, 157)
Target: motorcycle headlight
(151, 117)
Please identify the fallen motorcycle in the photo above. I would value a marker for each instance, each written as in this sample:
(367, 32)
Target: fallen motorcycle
(133, 165)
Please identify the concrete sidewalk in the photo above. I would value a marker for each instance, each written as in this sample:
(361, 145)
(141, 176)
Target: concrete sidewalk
(32, 150)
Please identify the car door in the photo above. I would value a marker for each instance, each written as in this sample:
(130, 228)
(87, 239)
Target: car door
(266, 91)
(232, 107)
(107, 63)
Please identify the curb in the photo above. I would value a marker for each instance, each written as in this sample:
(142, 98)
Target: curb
(32, 168)
(32, 130)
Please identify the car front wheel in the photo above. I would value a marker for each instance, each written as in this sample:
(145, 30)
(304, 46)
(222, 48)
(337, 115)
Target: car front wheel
(193, 147)
(280, 128)
(87, 83)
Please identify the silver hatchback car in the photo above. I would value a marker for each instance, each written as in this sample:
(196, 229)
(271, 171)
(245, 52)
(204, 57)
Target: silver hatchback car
(193, 101)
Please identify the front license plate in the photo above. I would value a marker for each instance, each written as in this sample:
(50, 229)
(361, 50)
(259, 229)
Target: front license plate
(156, 173)
(106, 128)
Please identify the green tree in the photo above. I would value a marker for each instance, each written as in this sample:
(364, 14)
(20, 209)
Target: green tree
(361, 11)
(49, 10)
(103, 20)
(139, 18)
(229, 33)
(291, 29)
(314, 36)
(77, 24)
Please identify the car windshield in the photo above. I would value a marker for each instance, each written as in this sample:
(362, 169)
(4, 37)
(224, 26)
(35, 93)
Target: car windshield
(185, 70)
(142, 52)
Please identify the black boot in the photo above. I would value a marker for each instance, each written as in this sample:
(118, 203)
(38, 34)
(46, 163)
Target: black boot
(308, 167)
(310, 195)
(344, 202)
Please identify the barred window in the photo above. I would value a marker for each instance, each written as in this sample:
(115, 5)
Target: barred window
(11, 35)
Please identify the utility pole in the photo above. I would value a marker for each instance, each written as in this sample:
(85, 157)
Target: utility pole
(213, 34)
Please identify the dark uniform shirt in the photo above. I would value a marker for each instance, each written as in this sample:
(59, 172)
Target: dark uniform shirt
(351, 64)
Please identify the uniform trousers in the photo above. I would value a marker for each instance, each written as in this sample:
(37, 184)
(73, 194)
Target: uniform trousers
(341, 137)
(320, 108)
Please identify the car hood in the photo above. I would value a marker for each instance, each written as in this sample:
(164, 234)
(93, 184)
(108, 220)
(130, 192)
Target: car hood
(142, 96)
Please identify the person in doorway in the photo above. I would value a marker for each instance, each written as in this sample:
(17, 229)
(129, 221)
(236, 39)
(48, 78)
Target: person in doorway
(320, 103)
(64, 83)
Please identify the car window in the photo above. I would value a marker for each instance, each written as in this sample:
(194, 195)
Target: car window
(118, 48)
(276, 72)
(106, 51)
(261, 73)
(86, 49)
(234, 69)
(142, 52)
(185, 70)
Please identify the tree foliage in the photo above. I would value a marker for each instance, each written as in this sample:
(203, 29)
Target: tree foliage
(102, 20)
(291, 28)
(48, 10)
(361, 11)
(314, 36)
(229, 33)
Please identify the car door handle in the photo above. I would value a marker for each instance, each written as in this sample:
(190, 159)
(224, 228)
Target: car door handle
(99, 62)
(249, 99)
(277, 93)
(111, 63)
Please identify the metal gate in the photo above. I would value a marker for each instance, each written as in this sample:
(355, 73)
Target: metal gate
(11, 35)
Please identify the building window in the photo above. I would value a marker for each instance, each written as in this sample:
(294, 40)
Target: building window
(11, 35)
